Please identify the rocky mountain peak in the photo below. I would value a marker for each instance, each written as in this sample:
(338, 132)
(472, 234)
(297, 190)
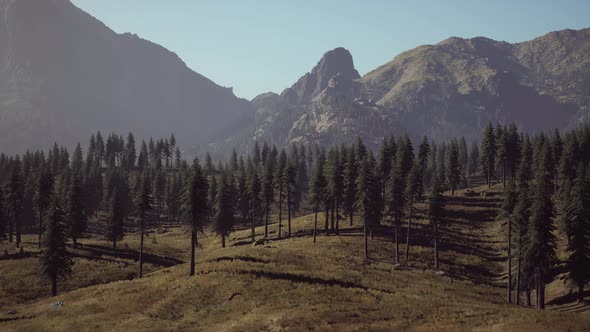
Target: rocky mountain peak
(335, 62)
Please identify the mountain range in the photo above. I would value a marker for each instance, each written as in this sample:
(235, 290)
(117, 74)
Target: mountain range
(64, 74)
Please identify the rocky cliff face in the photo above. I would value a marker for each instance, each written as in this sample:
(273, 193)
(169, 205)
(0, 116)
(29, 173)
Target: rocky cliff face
(64, 74)
(452, 88)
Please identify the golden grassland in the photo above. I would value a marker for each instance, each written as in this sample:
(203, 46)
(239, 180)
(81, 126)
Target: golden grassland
(293, 284)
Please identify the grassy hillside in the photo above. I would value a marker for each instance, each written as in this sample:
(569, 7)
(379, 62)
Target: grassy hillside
(294, 284)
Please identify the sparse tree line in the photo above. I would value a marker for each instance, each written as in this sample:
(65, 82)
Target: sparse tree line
(56, 194)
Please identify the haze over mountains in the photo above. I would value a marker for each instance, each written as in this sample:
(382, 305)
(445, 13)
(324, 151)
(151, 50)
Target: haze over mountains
(64, 74)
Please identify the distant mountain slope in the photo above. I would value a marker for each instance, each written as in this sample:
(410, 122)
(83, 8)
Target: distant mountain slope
(452, 88)
(64, 74)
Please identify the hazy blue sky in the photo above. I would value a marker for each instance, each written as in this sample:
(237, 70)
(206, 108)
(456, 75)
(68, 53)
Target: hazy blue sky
(265, 45)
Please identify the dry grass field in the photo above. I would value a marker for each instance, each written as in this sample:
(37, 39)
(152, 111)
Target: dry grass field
(290, 284)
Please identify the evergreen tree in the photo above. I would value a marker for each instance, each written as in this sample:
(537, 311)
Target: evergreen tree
(224, 218)
(368, 196)
(507, 209)
(77, 161)
(335, 183)
(233, 162)
(143, 203)
(423, 154)
(396, 200)
(317, 192)
(577, 210)
(488, 154)
(254, 190)
(278, 186)
(195, 205)
(43, 191)
(14, 202)
(3, 217)
(412, 184)
(75, 212)
(55, 261)
(453, 173)
(350, 189)
(436, 214)
(288, 177)
(539, 253)
(473, 159)
(212, 196)
(115, 226)
(267, 192)
(130, 153)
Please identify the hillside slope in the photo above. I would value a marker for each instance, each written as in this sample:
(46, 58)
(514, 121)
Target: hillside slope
(64, 74)
(294, 284)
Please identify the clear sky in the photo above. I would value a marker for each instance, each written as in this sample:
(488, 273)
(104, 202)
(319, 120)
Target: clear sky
(257, 46)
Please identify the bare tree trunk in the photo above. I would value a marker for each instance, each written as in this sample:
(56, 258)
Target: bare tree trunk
(10, 230)
(435, 244)
(332, 219)
(541, 290)
(528, 297)
(326, 217)
(581, 293)
(509, 284)
(266, 223)
(396, 231)
(350, 216)
(289, 213)
(40, 227)
(193, 245)
(141, 249)
(315, 223)
(518, 277)
(337, 219)
(223, 240)
(409, 227)
(252, 217)
(365, 233)
(280, 212)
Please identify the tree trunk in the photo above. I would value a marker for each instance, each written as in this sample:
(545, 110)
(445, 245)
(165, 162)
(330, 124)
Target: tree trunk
(223, 240)
(504, 174)
(252, 218)
(509, 284)
(337, 219)
(518, 277)
(350, 216)
(280, 212)
(435, 244)
(409, 227)
(141, 249)
(53, 285)
(315, 223)
(365, 233)
(326, 219)
(40, 227)
(289, 213)
(114, 244)
(193, 245)
(18, 231)
(75, 241)
(541, 290)
(396, 231)
(332, 219)
(266, 223)
(581, 293)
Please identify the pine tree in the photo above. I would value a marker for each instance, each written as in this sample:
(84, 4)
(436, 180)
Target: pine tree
(77, 161)
(3, 217)
(577, 210)
(43, 192)
(267, 191)
(14, 202)
(233, 162)
(453, 173)
(55, 261)
(412, 184)
(115, 226)
(254, 190)
(350, 189)
(423, 154)
(211, 196)
(288, 177)
(436, 214)
(278, 186)
(130, 153)
(488, 154)
(507, 209)
(142, 203)
(396, 200)
(368, 196)
(335, 184)
(75, 213)
(473, 159)
(195, 205)
(539, 253)
(317, 192)
(224, 218)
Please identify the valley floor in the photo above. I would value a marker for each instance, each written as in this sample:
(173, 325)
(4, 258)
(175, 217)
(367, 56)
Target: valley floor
(292, 283)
